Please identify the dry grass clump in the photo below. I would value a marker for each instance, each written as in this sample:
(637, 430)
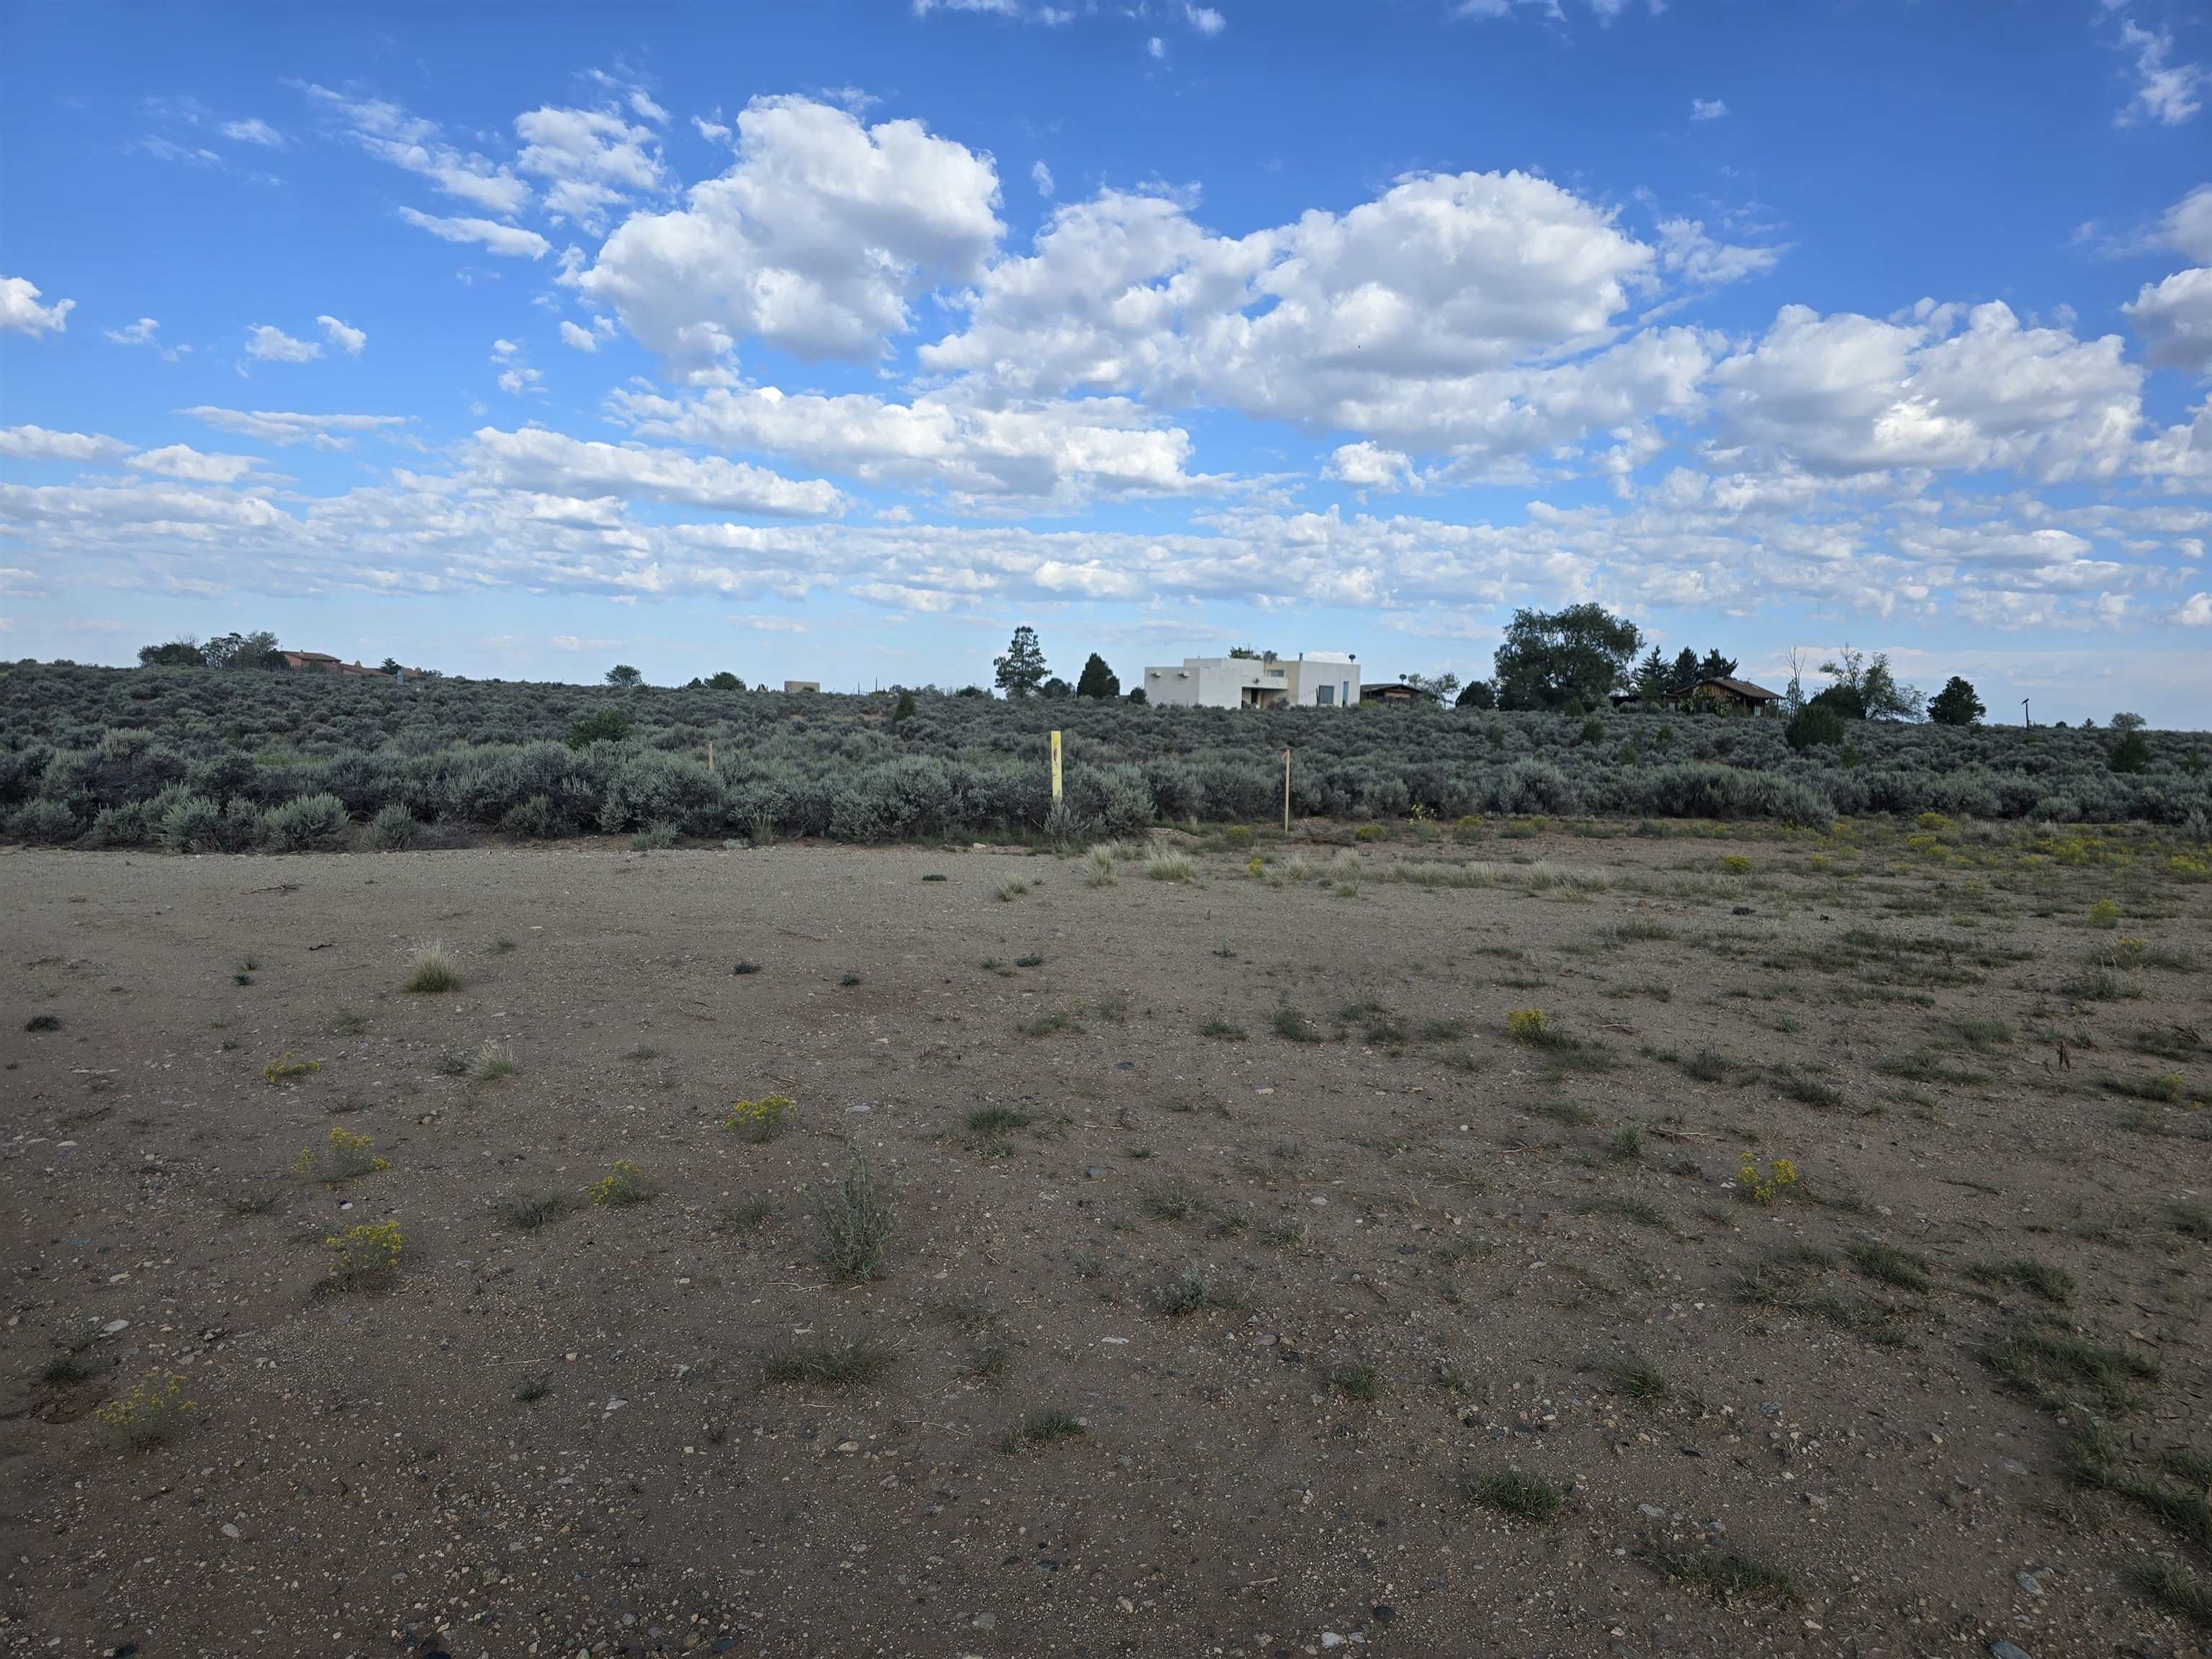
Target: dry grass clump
(1161, 865)
(493, 1062)
(432, 970)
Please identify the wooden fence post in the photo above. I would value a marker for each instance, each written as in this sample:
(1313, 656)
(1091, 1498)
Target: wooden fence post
(1286, 791)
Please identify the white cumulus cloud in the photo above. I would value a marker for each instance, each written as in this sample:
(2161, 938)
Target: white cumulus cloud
(1707, 109)
(593, 160)
(20, 309)
(36, 443)
(511, 240)
(2175, 318)
(2166, 92)
(552, 463)
(388, 132)
(196, 466)
(814, 240)
(1370, 466)
(271, 344)
(284, 428)
(1039, 454)
(1845, 394)
(254, 130)
(347, 340)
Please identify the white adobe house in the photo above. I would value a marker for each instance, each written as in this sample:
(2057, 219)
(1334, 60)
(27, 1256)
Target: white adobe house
(1312, 679)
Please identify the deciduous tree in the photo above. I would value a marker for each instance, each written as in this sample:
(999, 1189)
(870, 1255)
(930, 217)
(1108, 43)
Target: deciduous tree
(1551, 659)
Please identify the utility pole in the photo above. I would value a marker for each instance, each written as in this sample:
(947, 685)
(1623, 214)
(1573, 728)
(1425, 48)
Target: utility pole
(2024, 719)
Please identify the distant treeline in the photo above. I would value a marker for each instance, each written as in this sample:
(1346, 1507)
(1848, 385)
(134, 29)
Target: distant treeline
(202, 759)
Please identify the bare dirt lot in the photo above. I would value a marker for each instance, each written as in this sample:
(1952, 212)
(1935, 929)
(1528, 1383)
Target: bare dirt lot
(1815, 1263)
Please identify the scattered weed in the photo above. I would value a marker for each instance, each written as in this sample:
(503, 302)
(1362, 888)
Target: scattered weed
(1190, 1291)
(1726, 1575)
(826, 1363)
(623, 1185)
(2054, 1284)
(348, 1158)
(527, 1211)
(1755, 1187)
(284, 1068)
(746, 1217)
(762, 1120)
(1635, 1376)
(997, 1120)
(1049, 1428)
(1356, 1382)
(855, 1222)
(148, 1412)
(1905, 1269)
(1524, 1497)
(364, 1255)
(2052, 1366)
(2174, 1588)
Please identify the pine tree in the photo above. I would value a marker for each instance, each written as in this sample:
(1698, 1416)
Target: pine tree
(1021, 671)
(1097, 680)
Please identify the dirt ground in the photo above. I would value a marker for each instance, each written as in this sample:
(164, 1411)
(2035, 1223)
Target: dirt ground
(1240, 1248)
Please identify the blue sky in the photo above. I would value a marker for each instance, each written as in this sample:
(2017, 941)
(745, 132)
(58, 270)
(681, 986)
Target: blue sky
(831, 341)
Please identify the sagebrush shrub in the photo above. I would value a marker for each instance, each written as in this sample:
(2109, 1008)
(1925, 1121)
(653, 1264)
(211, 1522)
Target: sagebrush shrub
(305, 824)
(393, 829)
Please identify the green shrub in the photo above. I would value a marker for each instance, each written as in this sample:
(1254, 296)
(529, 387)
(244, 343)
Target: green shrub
(393, 829)
(604, 726)
(305, 824)
(1815, 723)
(190, 823)
(44, 823)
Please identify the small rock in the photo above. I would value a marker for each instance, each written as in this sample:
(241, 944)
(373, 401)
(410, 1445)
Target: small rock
(985, 1620)
(2027, 1582)
(229, 1530)
(1093, 1173)
(115, 1327)
(1651, 1509)
(2003, 1649)
(1329, 1639)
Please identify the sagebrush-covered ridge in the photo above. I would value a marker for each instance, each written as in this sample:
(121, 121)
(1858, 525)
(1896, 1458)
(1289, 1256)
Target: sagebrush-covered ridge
(200, 760)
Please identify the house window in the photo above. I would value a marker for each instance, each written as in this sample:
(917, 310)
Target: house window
(1324, 695)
